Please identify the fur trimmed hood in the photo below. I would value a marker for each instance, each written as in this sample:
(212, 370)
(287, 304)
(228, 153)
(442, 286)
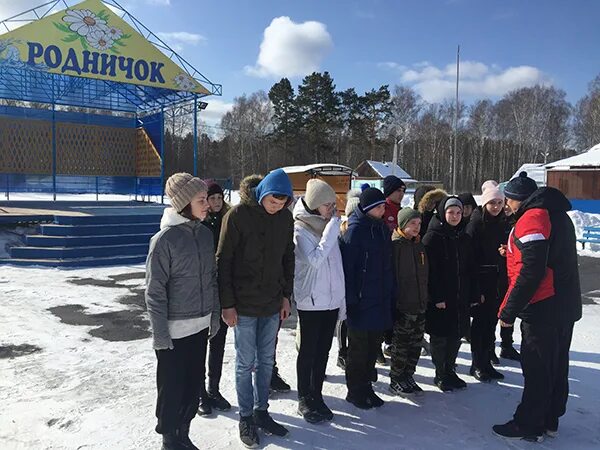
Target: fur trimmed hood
(430, 199)
(247, 187)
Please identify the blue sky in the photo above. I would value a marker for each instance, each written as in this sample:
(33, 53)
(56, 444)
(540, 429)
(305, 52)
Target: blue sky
(249, 45)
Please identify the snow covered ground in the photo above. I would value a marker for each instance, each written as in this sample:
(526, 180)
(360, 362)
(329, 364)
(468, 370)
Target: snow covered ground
(77, 372)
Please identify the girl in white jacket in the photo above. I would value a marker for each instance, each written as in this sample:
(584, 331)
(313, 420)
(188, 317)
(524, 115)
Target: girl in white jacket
(319, 292)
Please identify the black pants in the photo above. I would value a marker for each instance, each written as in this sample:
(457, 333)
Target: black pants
(342, 336)
(483, 334)
(216, 350)
(363, 348)
(545, 363)
(506, 335)
(316, 335)
(179, 379)
(444, 351)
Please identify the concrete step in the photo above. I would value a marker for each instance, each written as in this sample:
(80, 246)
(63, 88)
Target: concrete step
(116, 219)
(98, 230)
(78, 252)
(39, 240)
(77, 262)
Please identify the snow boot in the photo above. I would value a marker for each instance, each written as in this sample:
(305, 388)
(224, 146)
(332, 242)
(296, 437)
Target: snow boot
(266, 423)
(205, 408)
(184, 437)
(510, 353)
(359, 399)
(416, 388)
(374, 399)
(511, 430)
(277, 383)
(551, 428)
(308, 410)
(171, 441)
(218, 402)
(456, 381)
(248, 432)
(322, 407)
(443, 384)
(480, 375)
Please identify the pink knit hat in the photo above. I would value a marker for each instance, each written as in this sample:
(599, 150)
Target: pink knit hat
(490, 191)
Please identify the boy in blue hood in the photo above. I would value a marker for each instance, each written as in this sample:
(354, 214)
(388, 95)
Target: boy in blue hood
(255, 259)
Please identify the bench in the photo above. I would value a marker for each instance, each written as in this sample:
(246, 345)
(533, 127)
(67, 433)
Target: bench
(591, 235)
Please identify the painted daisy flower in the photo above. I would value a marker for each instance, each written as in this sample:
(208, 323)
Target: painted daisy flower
(185, 82)
(114, 33)
(100, 40)
(84, 21)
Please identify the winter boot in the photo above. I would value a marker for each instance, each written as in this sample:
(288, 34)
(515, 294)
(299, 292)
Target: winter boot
(511, 430)
(218, 402)
(494, 358)
(359, 399)
(444, 384)
(401, 387)
(171, 441)
(480, 375)
(184, 437)
(551, 428)
(322, 407)
(492, 372)
(205, 408)
(510, 353)
(307, 409)
(277, 383)
(374, 399)
(457, 382)
(266, 423)
(248, 432)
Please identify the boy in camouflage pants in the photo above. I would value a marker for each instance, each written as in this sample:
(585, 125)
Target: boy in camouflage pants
(411, 271)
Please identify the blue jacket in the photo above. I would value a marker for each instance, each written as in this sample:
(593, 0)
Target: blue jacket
(368, 269)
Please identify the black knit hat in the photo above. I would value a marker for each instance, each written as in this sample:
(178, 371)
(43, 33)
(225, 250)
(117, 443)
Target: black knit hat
(391, 184)
(520, 188)
(370, 198)
(467, 199)
(214, 188)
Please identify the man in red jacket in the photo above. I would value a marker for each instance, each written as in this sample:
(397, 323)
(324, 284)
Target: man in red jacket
(393, 189)
(544, 292)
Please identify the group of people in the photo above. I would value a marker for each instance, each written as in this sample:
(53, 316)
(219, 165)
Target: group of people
(446, 267)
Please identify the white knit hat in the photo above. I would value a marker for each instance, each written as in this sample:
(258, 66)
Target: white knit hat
(318, 192)
(490, 191)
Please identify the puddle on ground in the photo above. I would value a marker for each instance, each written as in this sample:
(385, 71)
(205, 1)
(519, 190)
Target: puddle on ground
(125, 325)
(9, 351)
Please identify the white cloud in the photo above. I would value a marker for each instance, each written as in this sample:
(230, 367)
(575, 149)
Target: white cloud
(291, 49)
(215, 110)
(178, 39)
(477, 79)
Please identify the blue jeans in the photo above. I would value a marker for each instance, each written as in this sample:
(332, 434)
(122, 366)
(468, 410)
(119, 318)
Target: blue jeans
(255, 339)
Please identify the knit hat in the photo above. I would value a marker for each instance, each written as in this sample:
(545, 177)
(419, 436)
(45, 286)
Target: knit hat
(318, 192)
(467, 198)
(452, 201)
(490, 191)
(181, 188)
(352, 200)
(370, 198)
(391, 184)
(520, 188)
(364, 186)
(213, 188)
(405, 215)
(275, 183)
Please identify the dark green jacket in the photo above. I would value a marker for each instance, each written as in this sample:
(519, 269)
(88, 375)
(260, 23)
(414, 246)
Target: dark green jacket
(412, 272)
(255, 256)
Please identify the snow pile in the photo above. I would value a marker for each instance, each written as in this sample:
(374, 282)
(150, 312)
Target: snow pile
(69, 389)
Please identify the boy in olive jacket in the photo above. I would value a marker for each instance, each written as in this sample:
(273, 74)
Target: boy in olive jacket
(411, 271)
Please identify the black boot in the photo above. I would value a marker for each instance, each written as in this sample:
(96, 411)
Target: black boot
(307, 408)
(277, 383)
(359, 399)
(205, 408)
(492, 372)
(322, 407)
(443, 384)
(248, 433)
(510, 353)
(218, 402)
(375, 400)
(171, 441)
(184, 437)
(480, 375)
(265, 422)
(512, 430)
